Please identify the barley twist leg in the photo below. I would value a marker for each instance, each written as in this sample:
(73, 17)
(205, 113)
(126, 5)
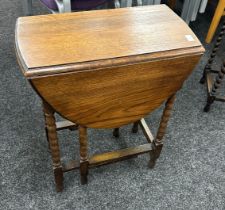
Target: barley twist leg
(158, 142)
(213, 54)
(54, 145)
(216, 85)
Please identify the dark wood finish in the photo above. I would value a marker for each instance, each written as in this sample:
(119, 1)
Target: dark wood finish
(105, 69)
(61, 125)
(218, 80)
(153, 146)
(158, 142)
(54, 145)
(110, 157)
(83, 154)
(165, 119)
(214, 84)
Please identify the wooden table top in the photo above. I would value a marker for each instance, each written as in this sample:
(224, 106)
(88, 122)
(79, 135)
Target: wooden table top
(51, 44)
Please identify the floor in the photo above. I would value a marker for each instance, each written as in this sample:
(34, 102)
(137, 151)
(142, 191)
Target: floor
(190, 173)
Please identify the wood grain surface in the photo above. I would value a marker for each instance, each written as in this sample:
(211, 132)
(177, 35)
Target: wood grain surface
(105, 69)
(110, 98)
(51, 40)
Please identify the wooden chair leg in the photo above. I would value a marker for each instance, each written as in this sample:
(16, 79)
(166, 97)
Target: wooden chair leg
(216, 85)
(216, 19)
(208, 66)
(219, 79)
(83, 154)
(135, 127)
(158, 142)
(54, 145)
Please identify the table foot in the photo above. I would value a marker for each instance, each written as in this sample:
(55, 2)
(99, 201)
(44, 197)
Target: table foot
(84, 173)
(154, 155)
(58, 173)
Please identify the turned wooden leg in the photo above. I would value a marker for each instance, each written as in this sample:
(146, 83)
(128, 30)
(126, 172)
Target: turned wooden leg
(135, 127)
(216, 85)
(54, 145)
(158, 142)
(213, 54)
(154, 154)
(116, 132)
(83, 154)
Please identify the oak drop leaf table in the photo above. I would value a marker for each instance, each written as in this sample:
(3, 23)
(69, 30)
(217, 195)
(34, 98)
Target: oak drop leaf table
(106, 69)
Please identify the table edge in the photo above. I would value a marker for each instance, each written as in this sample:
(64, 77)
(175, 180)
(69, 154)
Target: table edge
(104, 63)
